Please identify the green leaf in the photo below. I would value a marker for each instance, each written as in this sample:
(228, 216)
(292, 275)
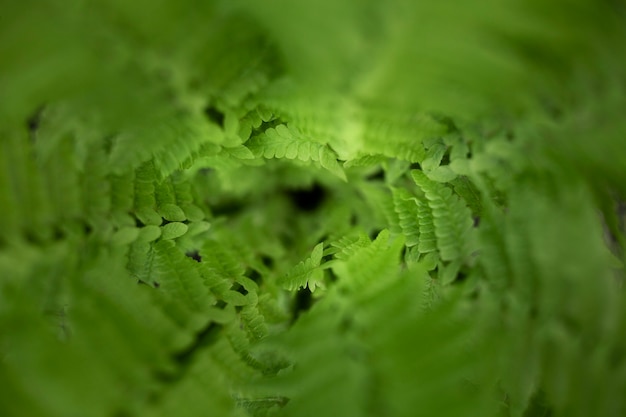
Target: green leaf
(172, 213)
(450, 217)
(283, 142)
(405, 205)
(328, 160)
(307, 273)
(125, 236)
(149, 233)
(173, 230)
(193, 212)
(239, 152)
(442, 174)
(149, 216)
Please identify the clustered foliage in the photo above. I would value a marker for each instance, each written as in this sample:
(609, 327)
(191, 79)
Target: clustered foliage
(296, 208)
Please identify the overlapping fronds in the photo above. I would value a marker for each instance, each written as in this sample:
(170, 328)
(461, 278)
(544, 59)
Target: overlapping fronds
(281, 142)
(307, 273)
(451, 218)
(351, 208)
(407, 208)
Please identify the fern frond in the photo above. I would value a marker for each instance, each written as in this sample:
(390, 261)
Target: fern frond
(406, 207)
(239, 152)
(222, 259)
(254, 322)
(167, 200)
(307, 273)
(173, 230)
(470, 193)
(141, 260)
(428, 239)
(365, 161)
(400, 137)
(381, 201)
(144, 195)
(250, 121)
(436, 149)
(124, 236)
(364, 270)
(164, 218)
(432, 164)
(348, 245)
(233, 366)
(170, 143)
(451, 218)
(179, 279)
(284, 142)
(173, 202)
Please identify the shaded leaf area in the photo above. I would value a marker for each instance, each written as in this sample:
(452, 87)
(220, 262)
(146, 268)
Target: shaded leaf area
(323, 208)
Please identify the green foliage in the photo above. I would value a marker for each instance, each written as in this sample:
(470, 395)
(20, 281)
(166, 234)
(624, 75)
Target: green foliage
(307, 273)
(356, 208)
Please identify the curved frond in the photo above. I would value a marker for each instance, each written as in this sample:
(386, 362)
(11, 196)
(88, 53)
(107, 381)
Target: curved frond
(179, 279)
(307, 273)
(367, 266)
(451, 218)
(178, 178)
(406, 207)
(170, 141)
(428, 239)
(348, 245)
(284, 142)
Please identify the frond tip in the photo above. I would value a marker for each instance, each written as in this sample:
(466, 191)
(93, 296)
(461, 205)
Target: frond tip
(307, 273)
